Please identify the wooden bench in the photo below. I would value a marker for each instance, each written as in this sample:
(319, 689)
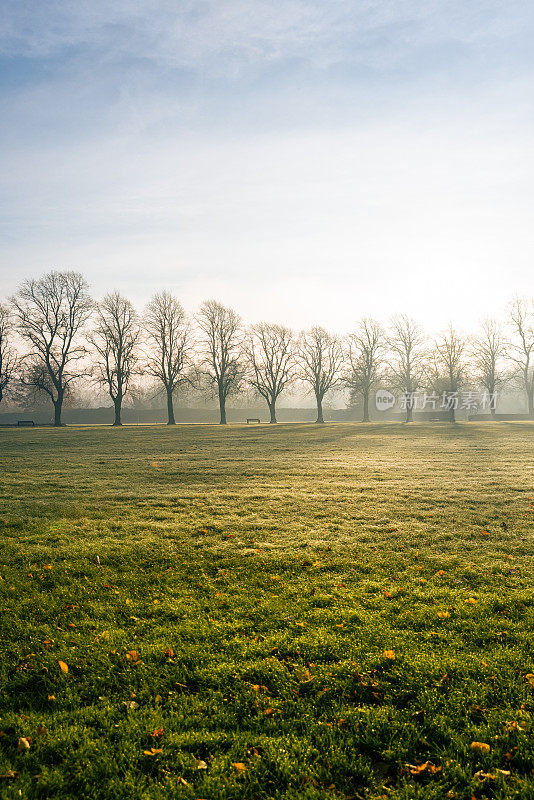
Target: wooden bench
(25, 423)
(253, 419)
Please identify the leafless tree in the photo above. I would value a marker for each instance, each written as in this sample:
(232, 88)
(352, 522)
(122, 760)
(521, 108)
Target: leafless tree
(51, 313)
(221, 345)
(407, 359)
(450, 368)
(115, 339)
(320, 359)
(522, 346)
(170, 343)
(270, 354)
(9, 360)
(489, 351)
(365, 351)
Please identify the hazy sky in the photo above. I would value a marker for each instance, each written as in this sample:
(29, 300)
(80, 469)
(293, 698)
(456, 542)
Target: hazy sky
(302, 160)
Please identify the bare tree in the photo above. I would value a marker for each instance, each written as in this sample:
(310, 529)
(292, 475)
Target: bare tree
(170, 339)
(407, 359)
(115, 340)
(522, 347)
(488, 354)
(51, 313)
(270, 353)
(450, 367)
(9, 360)
(365, 349)
(320, 358)
(221, 342)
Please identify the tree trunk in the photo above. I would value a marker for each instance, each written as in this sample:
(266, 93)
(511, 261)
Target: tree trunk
(365, 406)
(409, 412)
(170, 408)
(452, 415)
(272, 411)
(117, 402)
(319, 419)
(531, 403)
(222, 408)
(493, 412)
(58, 405)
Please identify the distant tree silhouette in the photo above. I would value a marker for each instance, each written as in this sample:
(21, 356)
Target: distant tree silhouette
(221, 350)
(449, 359)
(320, 358)
(406, 359)
(365, 352)
(271, 359)
(170, 344)
(51, 313)
(522, 346)
(9, 360)
(115, 340)
(489, 351)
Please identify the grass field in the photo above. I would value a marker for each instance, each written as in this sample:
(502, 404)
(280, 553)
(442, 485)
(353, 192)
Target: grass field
(295, 611)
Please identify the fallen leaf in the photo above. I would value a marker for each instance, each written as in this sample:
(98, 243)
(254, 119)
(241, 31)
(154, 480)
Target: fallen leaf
(41, 730)
(389, 654)
(133, 656)
(23, 744)
(130, 704)
(10, 775)
(168, 652)
(201, 764)
(428, 767)
(158, 733)
(63, 667)
(239, 767)
(471, 601)
(530, 678)
(480, 747)
(154, 751)
(443, 614)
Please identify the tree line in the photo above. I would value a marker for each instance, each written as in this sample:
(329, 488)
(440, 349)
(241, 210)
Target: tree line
(52, 333)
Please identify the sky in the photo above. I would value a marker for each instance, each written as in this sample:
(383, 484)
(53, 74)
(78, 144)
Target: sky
(305, 162)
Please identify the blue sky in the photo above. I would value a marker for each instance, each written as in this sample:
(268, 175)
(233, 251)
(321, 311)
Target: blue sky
(303, 161)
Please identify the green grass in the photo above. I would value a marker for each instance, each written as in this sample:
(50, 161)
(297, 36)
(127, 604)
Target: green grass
(249, 584)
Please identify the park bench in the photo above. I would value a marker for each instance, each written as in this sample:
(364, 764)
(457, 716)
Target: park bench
(253, 419)
(25, 423)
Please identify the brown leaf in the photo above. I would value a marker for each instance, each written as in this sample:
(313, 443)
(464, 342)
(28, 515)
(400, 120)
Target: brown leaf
(158, 733)
(239, 767)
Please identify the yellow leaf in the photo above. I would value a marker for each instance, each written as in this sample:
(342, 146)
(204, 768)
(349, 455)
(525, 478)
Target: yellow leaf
(154, 751)
(443, 614)
(239, 767)
(480, 747)
(23, 744)
(63, 667)
(530, 678)
(389, 654)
